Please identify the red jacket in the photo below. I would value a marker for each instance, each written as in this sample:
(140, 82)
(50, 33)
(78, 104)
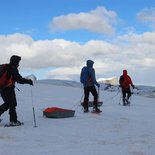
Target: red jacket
(125, 80)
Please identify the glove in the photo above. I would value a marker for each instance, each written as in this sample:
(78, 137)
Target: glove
(133, 86)
(98, 85)
(30, 82)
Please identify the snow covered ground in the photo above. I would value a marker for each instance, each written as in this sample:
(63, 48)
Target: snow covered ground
(118, 130)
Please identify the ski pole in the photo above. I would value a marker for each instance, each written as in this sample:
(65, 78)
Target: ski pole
(120, 99)
(98, 94)
(34, 118)
(131, 96)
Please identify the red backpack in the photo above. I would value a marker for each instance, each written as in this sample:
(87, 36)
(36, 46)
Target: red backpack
(125, 81)
(4, 79)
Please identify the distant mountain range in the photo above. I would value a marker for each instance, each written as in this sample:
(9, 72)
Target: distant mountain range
(109, 84)
(147, 91)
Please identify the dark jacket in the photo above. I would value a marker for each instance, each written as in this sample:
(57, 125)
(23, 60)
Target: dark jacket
(92, 74)
(14, 73)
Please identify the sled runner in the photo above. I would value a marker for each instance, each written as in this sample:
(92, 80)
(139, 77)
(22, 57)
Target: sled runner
(55, 112)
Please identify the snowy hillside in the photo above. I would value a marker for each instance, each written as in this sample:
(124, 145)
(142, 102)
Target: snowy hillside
(112, 81)
(66, 83)
(106, 85)
(118, 130)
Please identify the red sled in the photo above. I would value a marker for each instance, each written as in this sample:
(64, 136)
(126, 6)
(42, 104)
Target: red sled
(55, 112)
(91, 103)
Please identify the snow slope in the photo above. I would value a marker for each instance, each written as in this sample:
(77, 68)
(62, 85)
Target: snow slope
(118, 130)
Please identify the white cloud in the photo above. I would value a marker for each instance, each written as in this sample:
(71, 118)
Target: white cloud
(14, 44)
(147, 15)
(68, 73)
(99, 20)
(133, 52)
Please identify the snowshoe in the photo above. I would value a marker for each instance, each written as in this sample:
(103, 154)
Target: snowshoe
(12, 124)
(96, 110)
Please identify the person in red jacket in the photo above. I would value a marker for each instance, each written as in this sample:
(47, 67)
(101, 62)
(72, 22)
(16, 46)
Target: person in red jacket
(125, 82)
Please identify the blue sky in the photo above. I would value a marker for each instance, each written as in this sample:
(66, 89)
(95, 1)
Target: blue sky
(33, 16)
(55, 38)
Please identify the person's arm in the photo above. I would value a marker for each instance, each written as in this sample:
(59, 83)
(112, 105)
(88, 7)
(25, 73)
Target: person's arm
(93, 76)
(18, 78)
(131, 83)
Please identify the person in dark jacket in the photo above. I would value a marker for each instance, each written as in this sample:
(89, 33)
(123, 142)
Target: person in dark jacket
(89, 86)
(8, 93)
(125, 82)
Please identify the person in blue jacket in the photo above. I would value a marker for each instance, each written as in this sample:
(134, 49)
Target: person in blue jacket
(89, 82)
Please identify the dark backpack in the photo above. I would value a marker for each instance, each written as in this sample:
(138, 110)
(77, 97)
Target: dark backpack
(85, 75)
(4, 76)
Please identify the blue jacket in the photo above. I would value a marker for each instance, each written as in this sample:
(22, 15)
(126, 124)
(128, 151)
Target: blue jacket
(92, 74)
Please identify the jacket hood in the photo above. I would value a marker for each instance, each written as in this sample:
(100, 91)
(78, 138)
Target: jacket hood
(90, 63)
(125, 72)
(14, 60)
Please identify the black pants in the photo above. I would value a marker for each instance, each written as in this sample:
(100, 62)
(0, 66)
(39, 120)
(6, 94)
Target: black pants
(126, 92)
(93, 91)
(9, 98)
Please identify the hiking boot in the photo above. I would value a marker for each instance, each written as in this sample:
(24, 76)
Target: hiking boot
(125, 101)
(17, 123)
